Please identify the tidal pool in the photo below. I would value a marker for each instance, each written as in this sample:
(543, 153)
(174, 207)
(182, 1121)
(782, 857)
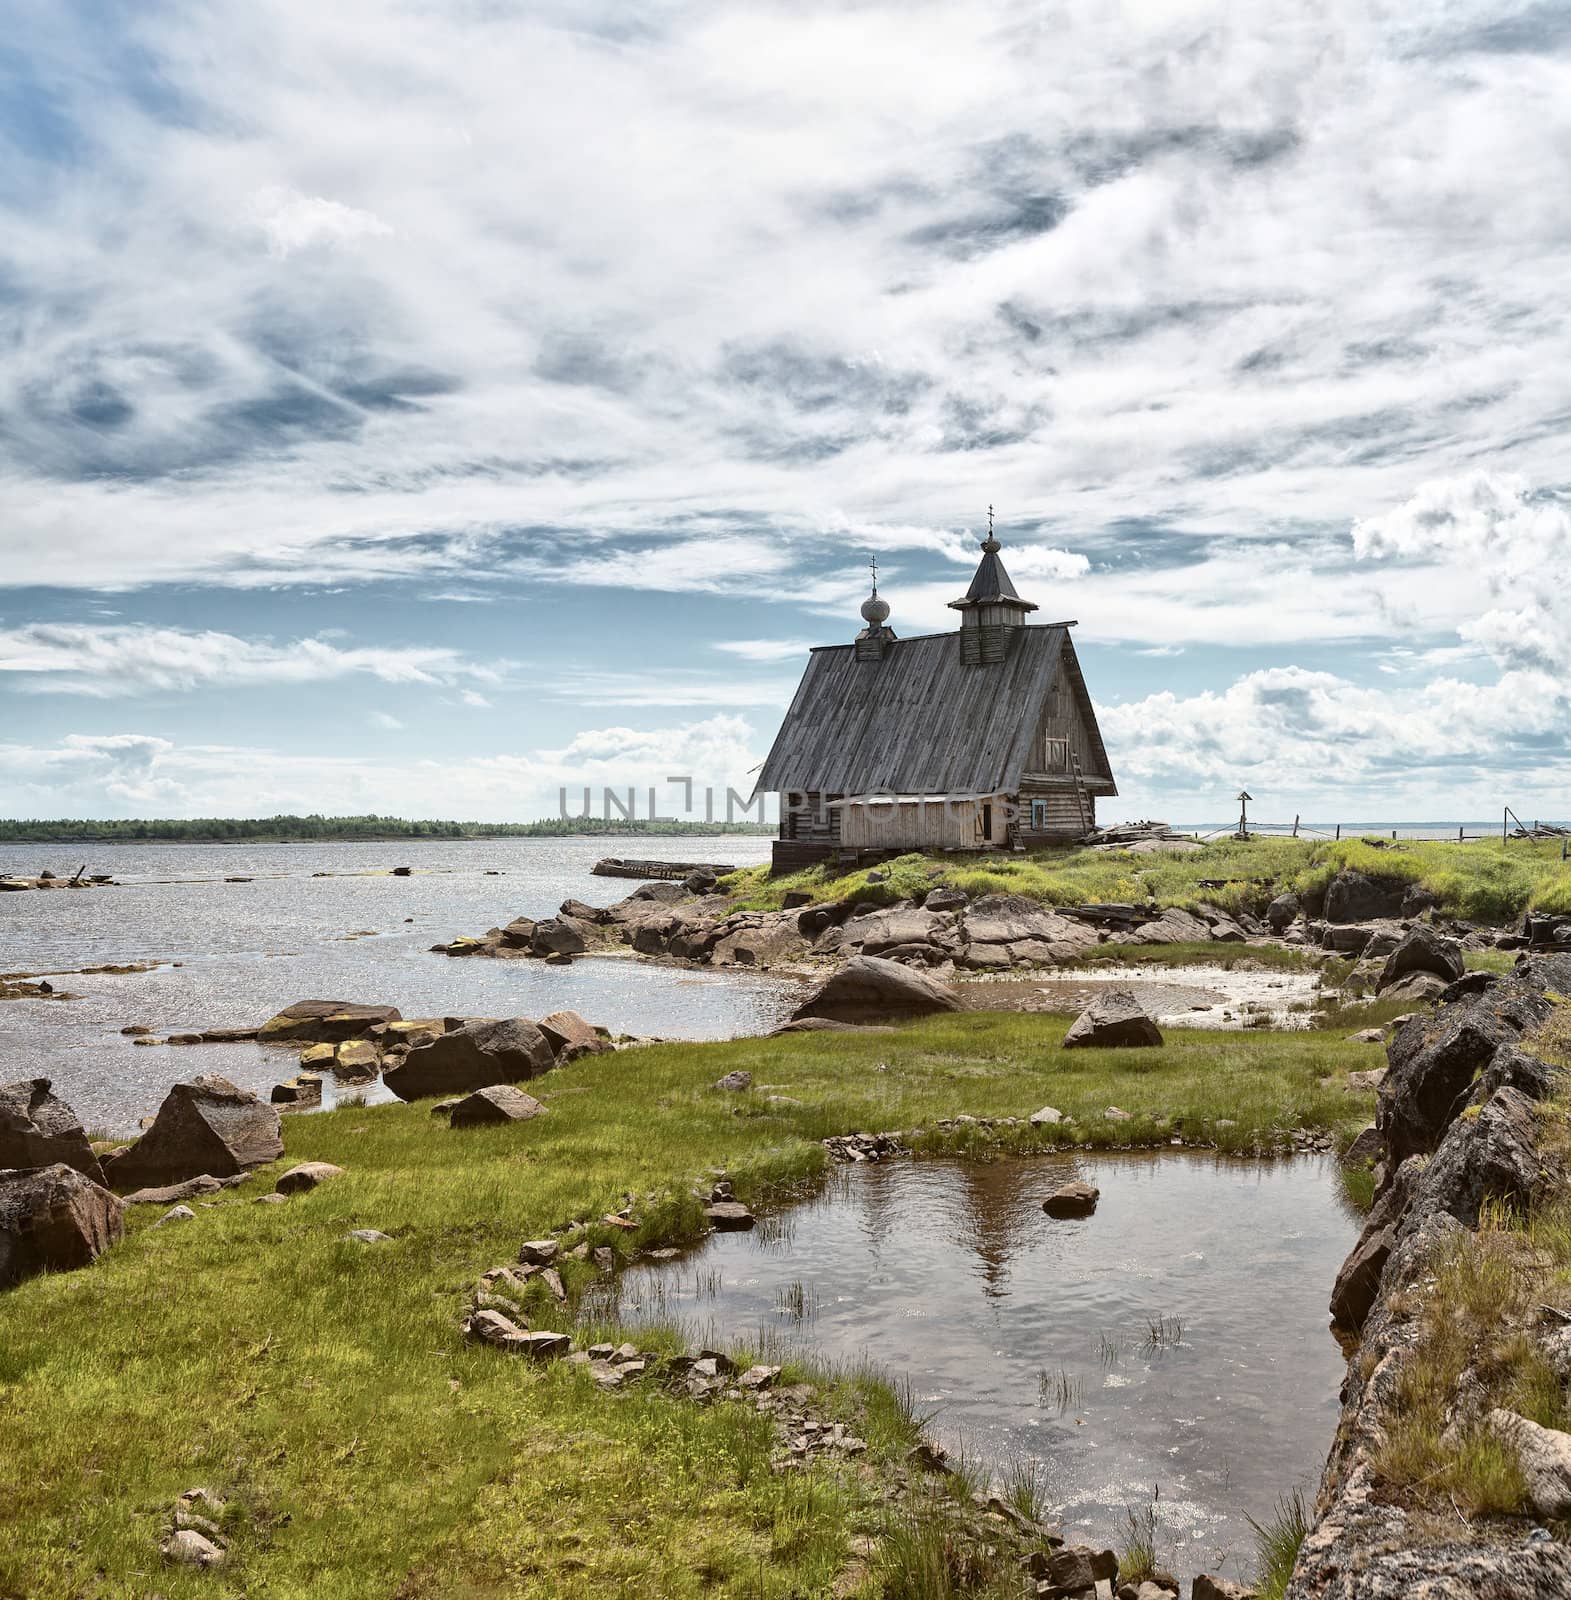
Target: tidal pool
(1173, 1346)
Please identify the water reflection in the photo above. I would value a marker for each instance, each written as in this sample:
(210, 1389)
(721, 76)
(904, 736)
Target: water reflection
(1177, 1338)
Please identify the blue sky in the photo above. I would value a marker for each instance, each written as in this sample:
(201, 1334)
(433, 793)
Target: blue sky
(416, 408)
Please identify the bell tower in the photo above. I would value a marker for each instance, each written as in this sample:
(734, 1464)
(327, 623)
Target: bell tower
(990, 610)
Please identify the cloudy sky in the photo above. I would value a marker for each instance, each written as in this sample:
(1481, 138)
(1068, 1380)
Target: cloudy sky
(415, 407)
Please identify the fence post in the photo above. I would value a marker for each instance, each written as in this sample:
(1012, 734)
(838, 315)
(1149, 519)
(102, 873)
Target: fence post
(1339, 830)
(1459, 838)
(1295, 824)
(1393, 836)
(1505, 813)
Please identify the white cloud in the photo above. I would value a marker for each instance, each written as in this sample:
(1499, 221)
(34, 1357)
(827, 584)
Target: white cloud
(294, 221)
(765, 649)
(472, 697)
(385, 720)
(987, 251)
(125, 659)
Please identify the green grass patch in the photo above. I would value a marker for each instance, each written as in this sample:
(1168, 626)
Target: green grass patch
(366, 1450)
(1485, 880)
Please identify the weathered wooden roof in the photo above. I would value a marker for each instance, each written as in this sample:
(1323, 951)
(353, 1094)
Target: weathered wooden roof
(920, 721)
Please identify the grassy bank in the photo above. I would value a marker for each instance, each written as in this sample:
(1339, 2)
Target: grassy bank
(1475, 1312)
(366, 1451)
(1484, 880)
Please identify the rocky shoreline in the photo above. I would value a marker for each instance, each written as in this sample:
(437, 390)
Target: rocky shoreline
(951, 935)
(1469, 1121)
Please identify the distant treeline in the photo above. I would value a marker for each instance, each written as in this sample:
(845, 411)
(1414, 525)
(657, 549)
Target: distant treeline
(295, 829)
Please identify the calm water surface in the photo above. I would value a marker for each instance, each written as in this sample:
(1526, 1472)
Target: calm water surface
(1030, 1336)
(246, 950)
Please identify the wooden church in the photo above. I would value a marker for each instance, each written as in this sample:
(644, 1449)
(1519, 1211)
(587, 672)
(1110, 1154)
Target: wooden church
(982, 739)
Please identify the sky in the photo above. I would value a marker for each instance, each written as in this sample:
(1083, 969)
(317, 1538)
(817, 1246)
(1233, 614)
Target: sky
(419, 407)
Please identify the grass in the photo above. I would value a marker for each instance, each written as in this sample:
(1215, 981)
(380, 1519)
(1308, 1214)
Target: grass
(1278, 1542)
(1486, 1289)
(1137, 1558)
(366, 1450)
(1487, 880)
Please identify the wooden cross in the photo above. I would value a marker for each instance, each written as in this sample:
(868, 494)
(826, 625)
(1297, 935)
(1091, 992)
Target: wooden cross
(872, 561)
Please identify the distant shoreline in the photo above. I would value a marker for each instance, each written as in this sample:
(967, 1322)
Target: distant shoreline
(298, 831)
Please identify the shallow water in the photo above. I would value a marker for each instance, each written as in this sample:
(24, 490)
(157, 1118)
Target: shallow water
(1186, 997)
(246, 950)
(1031, 1337)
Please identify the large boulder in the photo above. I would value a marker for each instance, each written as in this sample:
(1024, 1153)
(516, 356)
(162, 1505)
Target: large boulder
(205, 1126)
(1012, 919)
(1282, 913)
(37, 1129)
(879, 931)
(1115, 1019)
(325, 1021)
(762, 939)
(53, 1219)
(1432, 1071)
(479, 1052)
(1422, 949)
(561, 936)
(570, 1036)
(868, 987)
(500, 1102)
(1174, 926)
(1351, 897)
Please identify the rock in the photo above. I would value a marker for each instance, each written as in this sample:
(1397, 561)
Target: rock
(1077, 1569)
(176, 1214)
(758, 1377)
(1072, 1200)
(325, 1021)
(1422, 950)
(986, 957)
(1346, 940)
(495, 1328)
(1367, 1036)
(185, 1547)
(543, 1346)
(1351, 897)
(734, 1082)
(307, 1176)
(480, 1052)
(1174, 926)
(408, 1032)
(356, 1060)
(1368, 1146)
(1115, 1019)
(729, 1216)
(569, 1035)
(368, 1236)
(945, 899)
(1117, 1114)
(171, 1193)
(205, 1126)
(1047, 1117)
(1432, 1069)
(1208, 1588)
(53, 1219)
(538, 1252)
(1544, 1455)
(1417, 986)
(869, 987)
(298, 1093)
(823, 1025)
(501, 1102)
(1283, 912)
(38, 1129)
(560, 936)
